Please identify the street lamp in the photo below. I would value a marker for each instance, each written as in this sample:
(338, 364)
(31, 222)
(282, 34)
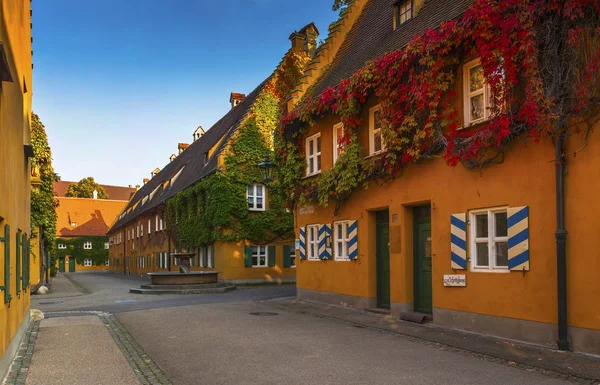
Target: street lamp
(267, 170)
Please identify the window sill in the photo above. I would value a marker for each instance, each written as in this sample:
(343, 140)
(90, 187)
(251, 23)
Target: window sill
(375, 154)
(311, 175)
(470, 125)
(259, 267)
(488, 270)
(256, 210)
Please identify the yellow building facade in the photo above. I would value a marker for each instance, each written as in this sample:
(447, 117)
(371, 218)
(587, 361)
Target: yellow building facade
(15, 116)
(434, 241)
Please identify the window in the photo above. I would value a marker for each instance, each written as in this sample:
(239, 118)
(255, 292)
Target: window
(161, 223)
(338, 133)
(149, 223)
(156, 227)
(376, 144)
(127, 234)
(142, 230)
(476, 93)
(259, 256)
(107, 262)
(489, 240)
(292, 251)
(106, 245)
(62, 246)
(403, 12)
(87, 262)
(313, 155)
(211, 261)
(256, 197)
(312, 244)
(87, 245)
(341, 241)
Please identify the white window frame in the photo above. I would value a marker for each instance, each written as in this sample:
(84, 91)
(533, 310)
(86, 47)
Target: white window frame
(342, 239)
(156, 228)
(87, 245)
(336, 145)
(161, 224)
(372, 130)
(87, 262)
(468, 95)
(312, 245)
(316, 156)
(254, 196)
(292, 257)
(149, 226)
(62, 246)
(106, 245)
(211, 258)
(491, 240)
(258, 250)
(141, 229)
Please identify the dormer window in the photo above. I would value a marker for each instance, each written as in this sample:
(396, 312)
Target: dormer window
(403, 12)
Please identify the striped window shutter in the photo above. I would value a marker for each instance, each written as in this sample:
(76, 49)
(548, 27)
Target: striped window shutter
(272, 254)
(302, 243)
(518, 238)
(324, 242)
(353, 242)
(458, 241)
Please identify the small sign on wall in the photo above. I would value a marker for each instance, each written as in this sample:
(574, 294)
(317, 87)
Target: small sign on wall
(297, 244)
(455, 280)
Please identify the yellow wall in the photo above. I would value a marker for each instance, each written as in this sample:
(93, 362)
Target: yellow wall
(15, 113)
(526, 178)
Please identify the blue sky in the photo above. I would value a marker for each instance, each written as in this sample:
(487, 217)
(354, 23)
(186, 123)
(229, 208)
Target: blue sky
(118, 83)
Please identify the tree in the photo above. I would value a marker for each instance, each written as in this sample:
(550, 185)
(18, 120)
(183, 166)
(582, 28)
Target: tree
(43, 202)
(85, 189)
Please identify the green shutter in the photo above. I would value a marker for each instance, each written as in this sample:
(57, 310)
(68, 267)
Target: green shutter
(18, 250)
(6, 240)
(271, 254)
(25, 256)
(287, 261)
(211, 252)
(248, 259)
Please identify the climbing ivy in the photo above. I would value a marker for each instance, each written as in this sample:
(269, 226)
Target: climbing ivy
(216, 208)
(98, 253)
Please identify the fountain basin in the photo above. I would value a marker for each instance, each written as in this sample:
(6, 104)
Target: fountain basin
(177, 278)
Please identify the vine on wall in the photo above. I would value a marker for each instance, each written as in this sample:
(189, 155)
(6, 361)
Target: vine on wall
(541, 60)
(216, 208)
(74, 249)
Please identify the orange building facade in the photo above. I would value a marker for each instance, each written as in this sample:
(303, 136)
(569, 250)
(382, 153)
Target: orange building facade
(472, 250)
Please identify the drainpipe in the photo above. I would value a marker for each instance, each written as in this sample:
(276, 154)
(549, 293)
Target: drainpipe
(561, 244)
(169, 259)
(124, 253)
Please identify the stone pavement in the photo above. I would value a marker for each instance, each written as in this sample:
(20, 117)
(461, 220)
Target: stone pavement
(76, 348)
(574, 367)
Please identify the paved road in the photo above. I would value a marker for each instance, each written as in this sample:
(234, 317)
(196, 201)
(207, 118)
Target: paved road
(105, 288)
(216, 339)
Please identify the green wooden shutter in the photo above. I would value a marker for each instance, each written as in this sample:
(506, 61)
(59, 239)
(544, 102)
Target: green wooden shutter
(248, 259)
(287, 261)
(26, 257)
(271, 254)
(6, 286)
(18, 275)
(211, 252)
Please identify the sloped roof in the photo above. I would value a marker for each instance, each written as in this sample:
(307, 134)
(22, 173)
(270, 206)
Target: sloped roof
(118, 193)
(92, 217)
(373, 35)
(190, 163)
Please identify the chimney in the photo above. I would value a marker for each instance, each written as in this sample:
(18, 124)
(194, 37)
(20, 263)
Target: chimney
(236, 99)
(182, 146)
(130, 186)
(137, 187)
(171, 158)
(95, 194)
(146, 180)
(305, 39)
(198, 133)
(154, 172)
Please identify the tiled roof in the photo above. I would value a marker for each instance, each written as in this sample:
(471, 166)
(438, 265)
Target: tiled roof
(118, 193)
(373, 35)
(189, 164)
(92, 217)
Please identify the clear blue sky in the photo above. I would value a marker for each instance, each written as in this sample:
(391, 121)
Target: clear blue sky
(118, 83)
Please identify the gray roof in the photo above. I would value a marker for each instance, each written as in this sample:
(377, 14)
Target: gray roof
(190, 162)
(373, 35)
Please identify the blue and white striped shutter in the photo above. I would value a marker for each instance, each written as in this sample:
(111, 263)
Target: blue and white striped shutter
(324, 242)
(353, 242)
(302, 243)
(518, 238)
(458, 241)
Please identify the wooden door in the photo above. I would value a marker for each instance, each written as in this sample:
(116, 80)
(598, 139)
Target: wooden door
(422, 259)
(383, 259)
(61, 264)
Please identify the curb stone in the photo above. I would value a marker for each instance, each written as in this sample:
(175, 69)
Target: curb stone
(439, 345)
(144, 367)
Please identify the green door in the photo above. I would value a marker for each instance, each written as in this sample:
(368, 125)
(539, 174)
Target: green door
(422, 251)
(71, 264)
(61, 264)
(383, 259)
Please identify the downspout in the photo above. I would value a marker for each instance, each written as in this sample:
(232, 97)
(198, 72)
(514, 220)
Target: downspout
(169, 245)
(561, 244)
(124, 253)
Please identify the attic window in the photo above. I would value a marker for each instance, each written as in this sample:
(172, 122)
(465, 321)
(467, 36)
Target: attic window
(205, 157)
(402, 12)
